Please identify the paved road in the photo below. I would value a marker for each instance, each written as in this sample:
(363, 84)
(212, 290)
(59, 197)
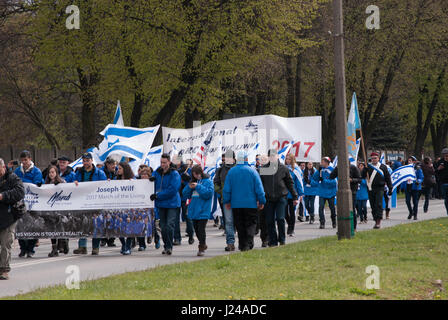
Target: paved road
(40, 271)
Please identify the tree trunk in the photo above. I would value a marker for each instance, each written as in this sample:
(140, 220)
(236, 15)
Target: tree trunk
(299, 85)
(137, 111)
(290, 86)
(88, 109)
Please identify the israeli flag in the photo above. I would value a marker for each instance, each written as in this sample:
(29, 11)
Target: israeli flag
(334, 164)
(252, 155)
(118, 118)
(383, 158)
(350, 158)
(173, 152)
(402, 174)
(152, 159)
(126, 142)
(284, 151)
(78, 163)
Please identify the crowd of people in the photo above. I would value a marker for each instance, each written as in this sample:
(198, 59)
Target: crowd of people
(267, 198)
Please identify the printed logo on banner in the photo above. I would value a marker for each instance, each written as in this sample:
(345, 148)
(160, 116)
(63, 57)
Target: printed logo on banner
(31, 198)
(252, 128)
(58, 197)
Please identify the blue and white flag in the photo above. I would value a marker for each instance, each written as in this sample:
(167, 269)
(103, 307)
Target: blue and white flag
(78, 163)
(383, 158)
(334, 164)
(353, 124)
(173, 152)
(126, 142)
(118, 118)
(152, 159)
(350, 158)
(284, 151)
(402, 174)
(252, 155)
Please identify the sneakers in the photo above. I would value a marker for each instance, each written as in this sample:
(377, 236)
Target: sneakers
(22, 253)
(264, 244)
(377, 224)
(4, 276)
(158, 245)
(410, 216)
(322, 225)
(282, 243)
(141, 249)
(169, 252)
(54, 251)
(103, 243)
(311, 220)
(415, 217)
(96, 251)
(307, 218)
(333, 225)
(125, 253)
(190, 240)
(230, 247)
(176, 243)
(29, 254)
(292, 234)
(80, 250)
(299, 218)
(387, 214)
(201, 250)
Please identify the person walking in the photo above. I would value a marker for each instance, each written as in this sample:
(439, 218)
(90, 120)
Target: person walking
(413, 189)
(429, 181)
(326, 190)
(28, 173)
(88, 172)
(362, 195)
(377, 177)
(11, 192)
(309, 191)
(219, 182)
(290, 213)
(277, 181)
(167, 200)
(243, 194)
(442, 172)
(200, 191)
(261, 221)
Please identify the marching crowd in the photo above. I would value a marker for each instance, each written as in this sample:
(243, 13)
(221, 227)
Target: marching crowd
(261, 199)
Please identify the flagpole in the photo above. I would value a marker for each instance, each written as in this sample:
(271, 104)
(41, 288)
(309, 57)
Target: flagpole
(364, 152)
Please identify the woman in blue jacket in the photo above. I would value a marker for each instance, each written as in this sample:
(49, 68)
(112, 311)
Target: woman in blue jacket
(309, 190)
(414, 188)
(200, 190)
(326, 190)
(290, 214)
(361, 198)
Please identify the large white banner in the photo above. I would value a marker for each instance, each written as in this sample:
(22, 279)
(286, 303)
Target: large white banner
(244, 133)
(114, 194)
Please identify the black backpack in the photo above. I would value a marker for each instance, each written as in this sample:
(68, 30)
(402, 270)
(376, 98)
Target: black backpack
(18, 210)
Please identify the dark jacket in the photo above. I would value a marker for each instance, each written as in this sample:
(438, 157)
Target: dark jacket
(428, 175)
(379, 181)
(12, 190)
(185, 176)
(220, 177)
(355, 175)
(277, 185)
(442, 174)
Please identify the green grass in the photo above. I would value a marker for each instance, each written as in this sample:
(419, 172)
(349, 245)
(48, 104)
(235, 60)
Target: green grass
(411, 258)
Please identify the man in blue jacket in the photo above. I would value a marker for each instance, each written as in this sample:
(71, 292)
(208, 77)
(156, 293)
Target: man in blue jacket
(414, 188)
(326, 190)
(28, 173)
(167, 198)
(88, 172)
(243, 193)
(65, 171)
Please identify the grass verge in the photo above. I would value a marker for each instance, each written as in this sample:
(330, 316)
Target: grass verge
(412, 259)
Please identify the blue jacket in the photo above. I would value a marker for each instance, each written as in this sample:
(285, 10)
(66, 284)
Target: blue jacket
(33, 176)
(362, 193)
(417, 184)
(397, 164)
(167, 188)
(109, 175)
(200, 206)
(308, 187)
(297, 183)
(326, 188)
(97, 175)
(243, 187)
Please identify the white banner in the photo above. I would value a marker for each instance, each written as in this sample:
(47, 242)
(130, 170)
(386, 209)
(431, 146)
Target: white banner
(244, 133)
(114, 194)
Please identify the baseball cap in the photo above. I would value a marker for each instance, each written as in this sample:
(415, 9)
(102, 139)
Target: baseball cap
(64, 158)
(87, 155)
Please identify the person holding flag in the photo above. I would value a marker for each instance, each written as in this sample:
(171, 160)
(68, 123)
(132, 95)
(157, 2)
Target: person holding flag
(377, 176)
(326, 190)
(414, 188)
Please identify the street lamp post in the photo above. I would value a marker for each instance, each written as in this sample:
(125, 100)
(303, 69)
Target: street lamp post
(344, 205)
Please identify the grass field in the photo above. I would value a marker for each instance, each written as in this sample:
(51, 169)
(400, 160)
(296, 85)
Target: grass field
(412, 260)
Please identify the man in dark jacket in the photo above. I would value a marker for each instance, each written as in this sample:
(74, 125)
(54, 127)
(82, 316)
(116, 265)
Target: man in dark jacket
(276, 182)
(442, 172)
(378, 177)
(219, 181)
(355, 180)
(11, 191)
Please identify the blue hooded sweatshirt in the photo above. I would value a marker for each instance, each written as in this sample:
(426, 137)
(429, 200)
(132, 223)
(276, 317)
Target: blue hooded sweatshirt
(201, 197)
(32, 175)
(243, 187)
(167, 187)
(362, 193)
(96, 175)
(327, 188)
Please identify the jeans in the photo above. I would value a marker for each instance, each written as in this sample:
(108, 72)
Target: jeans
(199, 228)
(264, 236)
(445, 195)
(309, 205)
(426, 191)
(229, 225)
(141, 242)
(177, 235)
(82, 243)
(167, 224)
(245, 223)
(275, 212)
(6, 241)
(415, 195)
(361, 208)
(184, 215)
(290, 215)
(27, 245)
(322, 206)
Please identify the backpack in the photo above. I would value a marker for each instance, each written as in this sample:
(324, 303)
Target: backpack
(18, 210)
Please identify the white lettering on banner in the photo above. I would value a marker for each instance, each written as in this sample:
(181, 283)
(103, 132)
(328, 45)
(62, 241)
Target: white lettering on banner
(269, 131)
(116, 194)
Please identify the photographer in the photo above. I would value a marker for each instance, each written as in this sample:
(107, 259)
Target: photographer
(11, 192)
